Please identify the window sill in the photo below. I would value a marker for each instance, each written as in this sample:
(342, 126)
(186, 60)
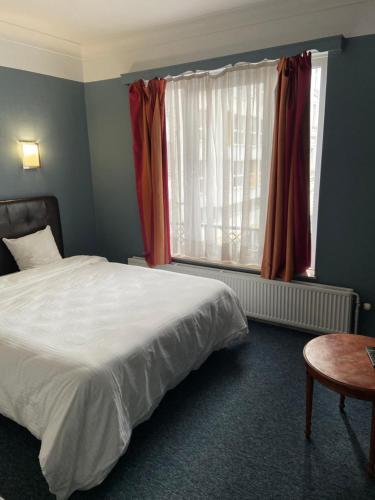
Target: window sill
(309, 276)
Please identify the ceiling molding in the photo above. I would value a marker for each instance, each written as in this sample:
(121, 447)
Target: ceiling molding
(266, 12)
(15, 33)
(29, 50)
(257, 27)
(260, 25)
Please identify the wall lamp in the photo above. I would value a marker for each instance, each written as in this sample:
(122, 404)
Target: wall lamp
(30, 154)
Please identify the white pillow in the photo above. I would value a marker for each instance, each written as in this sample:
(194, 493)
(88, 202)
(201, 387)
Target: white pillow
(34, 250)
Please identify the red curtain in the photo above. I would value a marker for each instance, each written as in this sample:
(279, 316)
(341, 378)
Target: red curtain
(147, 110)
(287, 247)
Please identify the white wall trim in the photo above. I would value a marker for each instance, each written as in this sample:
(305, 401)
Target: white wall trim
(30, 50)
(238, 31)
(258, 26)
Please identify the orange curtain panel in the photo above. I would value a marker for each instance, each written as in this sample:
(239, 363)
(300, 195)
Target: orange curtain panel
(287, 246)
(147, 112)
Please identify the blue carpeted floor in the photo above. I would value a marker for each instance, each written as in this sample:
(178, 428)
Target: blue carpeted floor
(232, 430)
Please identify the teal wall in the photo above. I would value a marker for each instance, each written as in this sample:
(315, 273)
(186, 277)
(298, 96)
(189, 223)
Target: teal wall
(51, 111)
(116, 209)
(346, 227)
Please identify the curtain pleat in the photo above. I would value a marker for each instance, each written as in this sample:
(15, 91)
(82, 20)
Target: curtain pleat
(287, 246)
(147, 110)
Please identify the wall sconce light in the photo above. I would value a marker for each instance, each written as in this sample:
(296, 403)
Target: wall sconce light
(30, 155)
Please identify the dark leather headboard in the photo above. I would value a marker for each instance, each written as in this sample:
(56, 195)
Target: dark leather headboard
(26, 216)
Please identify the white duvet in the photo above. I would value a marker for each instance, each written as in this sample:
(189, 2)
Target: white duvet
(88, 348)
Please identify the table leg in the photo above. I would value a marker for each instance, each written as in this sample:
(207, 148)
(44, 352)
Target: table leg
(309, 400)
(371, 462)
(342, 402)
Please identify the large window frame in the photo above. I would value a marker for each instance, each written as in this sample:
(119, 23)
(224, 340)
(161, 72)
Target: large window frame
(318, 91)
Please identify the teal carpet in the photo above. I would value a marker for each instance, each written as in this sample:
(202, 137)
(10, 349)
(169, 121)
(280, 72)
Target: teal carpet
(232, 430)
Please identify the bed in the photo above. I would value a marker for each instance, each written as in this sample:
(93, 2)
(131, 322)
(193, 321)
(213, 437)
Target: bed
(88, 348)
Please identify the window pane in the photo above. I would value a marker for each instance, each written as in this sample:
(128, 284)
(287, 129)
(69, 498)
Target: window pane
(317, 108)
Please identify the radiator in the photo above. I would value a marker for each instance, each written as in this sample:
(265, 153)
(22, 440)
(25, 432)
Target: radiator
(308, 306)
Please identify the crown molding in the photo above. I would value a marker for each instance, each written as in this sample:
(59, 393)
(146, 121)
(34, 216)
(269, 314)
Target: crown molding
(263, 13)
(257, 27)
(260, 25)
(29, 50)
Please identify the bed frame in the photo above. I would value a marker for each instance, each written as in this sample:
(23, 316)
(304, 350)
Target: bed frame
(25, 216)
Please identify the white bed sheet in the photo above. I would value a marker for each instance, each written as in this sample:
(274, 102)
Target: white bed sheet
(88, 348)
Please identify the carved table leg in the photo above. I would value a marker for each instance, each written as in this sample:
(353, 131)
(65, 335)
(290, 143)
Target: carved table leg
(309, 400)
(342, 402)
(371, 462)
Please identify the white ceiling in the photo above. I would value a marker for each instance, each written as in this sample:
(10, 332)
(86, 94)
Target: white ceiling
(87, 21)
(91, 40)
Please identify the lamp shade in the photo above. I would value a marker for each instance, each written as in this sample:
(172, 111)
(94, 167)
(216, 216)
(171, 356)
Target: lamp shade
(30, 155)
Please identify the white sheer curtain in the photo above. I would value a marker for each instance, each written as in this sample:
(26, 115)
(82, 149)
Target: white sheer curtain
(219, 133)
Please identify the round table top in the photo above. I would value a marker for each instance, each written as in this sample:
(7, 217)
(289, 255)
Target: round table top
(342, 358)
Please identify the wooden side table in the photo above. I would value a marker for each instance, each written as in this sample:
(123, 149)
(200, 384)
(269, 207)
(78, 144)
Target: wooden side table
(340, 362)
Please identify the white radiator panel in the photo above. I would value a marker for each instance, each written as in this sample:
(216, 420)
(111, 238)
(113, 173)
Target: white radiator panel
(309, 306)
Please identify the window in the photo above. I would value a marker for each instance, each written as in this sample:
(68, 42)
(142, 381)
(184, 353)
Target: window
(219, 135)
(317, 108)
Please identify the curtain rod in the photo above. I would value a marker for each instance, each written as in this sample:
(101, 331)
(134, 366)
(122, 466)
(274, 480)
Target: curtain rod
(224, 69)
(216, 72)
